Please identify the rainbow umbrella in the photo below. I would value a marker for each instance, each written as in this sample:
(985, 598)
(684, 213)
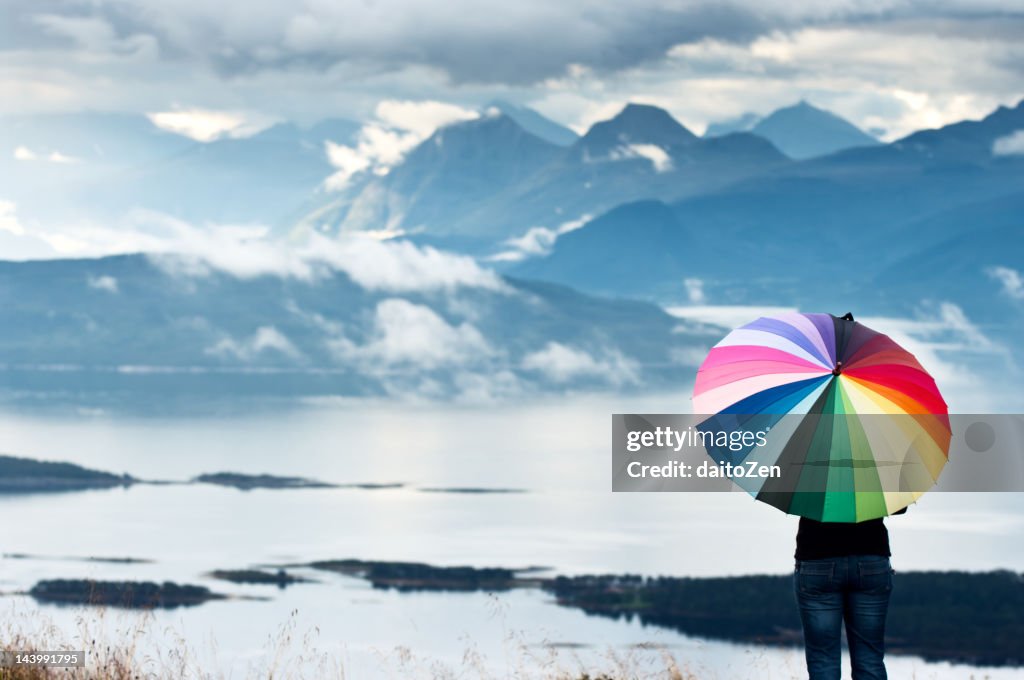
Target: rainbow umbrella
(856, 426)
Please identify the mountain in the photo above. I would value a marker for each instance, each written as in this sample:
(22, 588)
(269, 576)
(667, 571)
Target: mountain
(97, 167)
(819, 230)
(799, 131)
(116, 139)
(449, 174)
(493, 181)
(120, 328)
(49, 162)
(641, 153)
(635, 124)
(260, 179)
(977, 262)
(604, 255)
(969, 141)
(804, 131)
(534, 123)
(742, 123)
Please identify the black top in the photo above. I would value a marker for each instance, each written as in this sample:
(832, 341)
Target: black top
(822, 540)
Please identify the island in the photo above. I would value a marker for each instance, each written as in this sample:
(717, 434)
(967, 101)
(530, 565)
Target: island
(246, 482)
(372, 486)
(123, 594)
(279, 578)
(76, 558)
(25, 475)
(417, 576)
(960, 617)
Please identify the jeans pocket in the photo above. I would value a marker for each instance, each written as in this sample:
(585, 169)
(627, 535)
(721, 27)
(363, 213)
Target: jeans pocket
(814, 576)
(875, 575)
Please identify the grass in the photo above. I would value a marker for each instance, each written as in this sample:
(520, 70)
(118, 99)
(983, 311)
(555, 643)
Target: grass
(122, 645)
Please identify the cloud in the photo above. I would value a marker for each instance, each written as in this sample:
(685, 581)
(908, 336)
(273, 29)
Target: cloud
(902, 73)
(704, 60)
(660, 160)
(205, 125)
(17, 241)
(392, 266)
(562, 364)
(1010, 279)
(400, 266)
(107, 283)
(536, 241)
(96, 34)
(511, 43)
(247, 251)
(421, 117)
(694, 290)
(487, 388)
(265, 339)
(23, 153)
(406, 334)
(9, 219)
(1010, 145)
(399, 126)
(349, 162)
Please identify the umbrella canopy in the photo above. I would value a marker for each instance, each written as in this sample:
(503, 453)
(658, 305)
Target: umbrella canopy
(857, 427)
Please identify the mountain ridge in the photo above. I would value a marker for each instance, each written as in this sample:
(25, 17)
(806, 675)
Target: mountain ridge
(800, 130)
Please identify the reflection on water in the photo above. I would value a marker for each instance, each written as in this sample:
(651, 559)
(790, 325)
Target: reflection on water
(559, 451)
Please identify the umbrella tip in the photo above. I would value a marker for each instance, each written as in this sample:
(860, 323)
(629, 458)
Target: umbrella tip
(838, 369)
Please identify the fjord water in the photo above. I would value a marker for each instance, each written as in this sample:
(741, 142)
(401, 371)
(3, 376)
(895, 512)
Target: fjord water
(555, 451)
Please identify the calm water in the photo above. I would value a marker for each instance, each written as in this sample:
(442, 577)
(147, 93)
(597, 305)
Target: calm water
(557, 450)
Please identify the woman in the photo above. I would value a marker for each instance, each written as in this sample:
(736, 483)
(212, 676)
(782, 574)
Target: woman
(843, 574)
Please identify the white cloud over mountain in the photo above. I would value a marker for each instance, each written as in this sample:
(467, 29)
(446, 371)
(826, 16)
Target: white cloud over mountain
(537, 240)
(1010, 145)
(265, 339)
(561, 364)
(206, 125)
(382, 143)
(410, 335)
(248, 251)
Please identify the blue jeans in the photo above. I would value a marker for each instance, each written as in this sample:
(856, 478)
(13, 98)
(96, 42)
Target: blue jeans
(853, 589)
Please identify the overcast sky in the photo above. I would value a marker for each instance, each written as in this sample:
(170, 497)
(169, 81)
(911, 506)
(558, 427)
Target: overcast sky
(892, 64)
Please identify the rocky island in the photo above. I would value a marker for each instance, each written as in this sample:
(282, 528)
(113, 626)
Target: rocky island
(246, 482)
(25, 475)
(417, 576)
(124, 594)
(279, 578)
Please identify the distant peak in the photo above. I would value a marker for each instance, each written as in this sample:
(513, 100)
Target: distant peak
(803, 130)
(639, 123)
(502, 105)
(497, 121)
(801, 106)
(533, 122)
(633, 110)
